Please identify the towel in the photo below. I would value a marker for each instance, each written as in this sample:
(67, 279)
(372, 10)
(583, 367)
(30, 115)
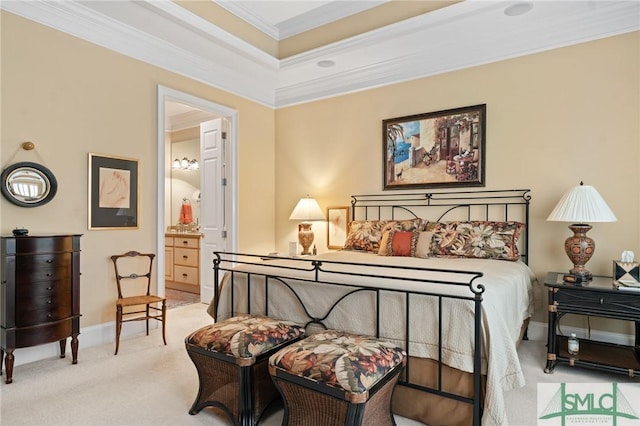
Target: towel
(186, 215)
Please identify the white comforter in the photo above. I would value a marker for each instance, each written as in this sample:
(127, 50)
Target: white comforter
(507, 302)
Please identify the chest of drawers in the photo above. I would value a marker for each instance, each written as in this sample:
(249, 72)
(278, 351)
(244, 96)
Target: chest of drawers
(39, 294)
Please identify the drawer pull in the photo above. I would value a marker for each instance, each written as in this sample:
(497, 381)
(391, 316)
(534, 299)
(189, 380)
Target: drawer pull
(49, 274)
(185, 257)
(185, 242)
(49, 302)
(601, 301)
(48, 288)
(185, 275)
(49, 260)
(49, 315)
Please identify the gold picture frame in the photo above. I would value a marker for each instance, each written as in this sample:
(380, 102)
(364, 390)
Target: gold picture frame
(337, 226)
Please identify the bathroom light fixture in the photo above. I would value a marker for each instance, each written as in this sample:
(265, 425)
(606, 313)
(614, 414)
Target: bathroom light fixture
(580, 205)
(185, 164)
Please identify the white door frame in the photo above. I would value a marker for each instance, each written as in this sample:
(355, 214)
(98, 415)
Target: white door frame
(168, 94)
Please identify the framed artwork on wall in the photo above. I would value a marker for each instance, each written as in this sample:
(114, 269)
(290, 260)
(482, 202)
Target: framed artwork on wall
(435, 150)
(113, 192)
(338, 221)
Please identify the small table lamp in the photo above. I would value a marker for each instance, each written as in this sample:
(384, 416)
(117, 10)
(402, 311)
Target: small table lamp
(306, 210)
(580, 205)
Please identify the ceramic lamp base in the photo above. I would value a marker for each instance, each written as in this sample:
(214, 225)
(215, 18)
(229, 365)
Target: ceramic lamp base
(579, 249)
(305, 237)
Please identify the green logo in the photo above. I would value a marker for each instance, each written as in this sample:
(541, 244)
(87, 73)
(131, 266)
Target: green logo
(586, 407)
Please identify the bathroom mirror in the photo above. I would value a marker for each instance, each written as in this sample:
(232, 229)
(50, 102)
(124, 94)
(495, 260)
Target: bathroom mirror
(28, 184)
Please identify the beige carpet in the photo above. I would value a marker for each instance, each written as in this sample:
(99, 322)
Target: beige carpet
(150, 384)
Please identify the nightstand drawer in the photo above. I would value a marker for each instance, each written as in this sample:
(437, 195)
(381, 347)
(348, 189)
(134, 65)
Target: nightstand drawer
(597, 301)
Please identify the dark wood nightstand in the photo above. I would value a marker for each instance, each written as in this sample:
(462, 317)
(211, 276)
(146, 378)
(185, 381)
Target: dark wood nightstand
(599, 298)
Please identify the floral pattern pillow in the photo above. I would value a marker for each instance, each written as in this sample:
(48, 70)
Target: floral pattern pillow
(349, 361)
(416, 224)
(479, 239)
(365, 235)
(245, 336)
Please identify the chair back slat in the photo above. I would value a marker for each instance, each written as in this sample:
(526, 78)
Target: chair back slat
(146, 262)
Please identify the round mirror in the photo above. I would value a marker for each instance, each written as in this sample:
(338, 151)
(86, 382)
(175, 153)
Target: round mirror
(28, 184)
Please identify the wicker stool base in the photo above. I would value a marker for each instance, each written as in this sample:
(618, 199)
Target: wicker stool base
(232, 358)
(309, 407)
(336, 378)
(243, 393)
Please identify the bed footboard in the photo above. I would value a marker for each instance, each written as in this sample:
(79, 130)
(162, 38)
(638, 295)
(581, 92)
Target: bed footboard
(417, 309)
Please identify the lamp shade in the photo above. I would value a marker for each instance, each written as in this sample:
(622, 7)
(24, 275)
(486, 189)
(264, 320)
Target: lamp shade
(307, 209)
(582, 204)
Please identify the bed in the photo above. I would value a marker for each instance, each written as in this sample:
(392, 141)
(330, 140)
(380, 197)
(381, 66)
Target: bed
(460, 318)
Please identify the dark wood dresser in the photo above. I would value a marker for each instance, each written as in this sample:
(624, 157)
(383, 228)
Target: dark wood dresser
(39, 294)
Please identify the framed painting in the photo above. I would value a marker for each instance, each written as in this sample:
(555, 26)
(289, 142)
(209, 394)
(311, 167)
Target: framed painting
(113, 192)
(338, 220)
(436, 149)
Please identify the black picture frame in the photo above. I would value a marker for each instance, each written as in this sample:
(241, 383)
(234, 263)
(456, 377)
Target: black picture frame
(113, 192)
(440, 149)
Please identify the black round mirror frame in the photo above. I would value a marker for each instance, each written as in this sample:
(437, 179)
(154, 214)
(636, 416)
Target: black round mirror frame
(23, 201)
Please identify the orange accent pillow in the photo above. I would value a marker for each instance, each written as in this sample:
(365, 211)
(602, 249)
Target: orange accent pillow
(401, 243)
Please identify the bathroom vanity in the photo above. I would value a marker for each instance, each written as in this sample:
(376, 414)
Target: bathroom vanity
(182, 261)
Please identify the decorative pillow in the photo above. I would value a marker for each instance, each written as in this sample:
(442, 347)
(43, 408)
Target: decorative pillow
(416, 224)
(399, 243)
(480, 239)
(365, 235)
(423, 246)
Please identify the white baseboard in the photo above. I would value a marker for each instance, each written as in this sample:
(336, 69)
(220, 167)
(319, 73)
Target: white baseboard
(538, 331)
(89, 336)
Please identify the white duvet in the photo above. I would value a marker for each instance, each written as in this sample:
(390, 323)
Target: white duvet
(507, 302)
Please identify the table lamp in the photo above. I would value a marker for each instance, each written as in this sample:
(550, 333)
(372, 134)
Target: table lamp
(306, 210)
(580, 205)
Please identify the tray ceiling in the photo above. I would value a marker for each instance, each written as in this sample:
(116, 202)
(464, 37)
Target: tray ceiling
(460, 35)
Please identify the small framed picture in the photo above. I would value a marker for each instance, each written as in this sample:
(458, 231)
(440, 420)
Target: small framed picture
(338, 220)
(113, 192)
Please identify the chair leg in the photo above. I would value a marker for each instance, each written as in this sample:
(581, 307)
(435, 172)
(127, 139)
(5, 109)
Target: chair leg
(164, 321)
(147, 320)
(118, 326)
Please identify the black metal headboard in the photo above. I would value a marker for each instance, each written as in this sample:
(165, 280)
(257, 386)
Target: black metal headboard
(490, 205)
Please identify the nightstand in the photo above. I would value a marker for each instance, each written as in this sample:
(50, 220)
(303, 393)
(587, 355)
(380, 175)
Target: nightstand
(598, 298)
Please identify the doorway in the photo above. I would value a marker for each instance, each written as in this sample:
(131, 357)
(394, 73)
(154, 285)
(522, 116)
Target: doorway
(220, 231)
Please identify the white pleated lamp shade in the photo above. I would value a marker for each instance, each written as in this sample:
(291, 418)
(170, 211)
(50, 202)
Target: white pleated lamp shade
(582, 204)
(306, 210)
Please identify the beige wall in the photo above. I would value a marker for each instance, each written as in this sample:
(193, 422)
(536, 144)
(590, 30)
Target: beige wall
(553, 119)
(70, 98)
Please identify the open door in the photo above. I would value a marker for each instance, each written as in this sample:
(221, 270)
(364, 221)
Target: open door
(212, 207)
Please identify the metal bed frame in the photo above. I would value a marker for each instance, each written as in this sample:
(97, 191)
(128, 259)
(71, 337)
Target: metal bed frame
(477, 205)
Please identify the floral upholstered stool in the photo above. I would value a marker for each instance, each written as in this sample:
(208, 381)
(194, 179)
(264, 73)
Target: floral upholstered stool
(337, 378)
(231, 359)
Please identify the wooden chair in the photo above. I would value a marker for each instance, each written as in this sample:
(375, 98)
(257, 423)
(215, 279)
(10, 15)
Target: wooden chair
(137, 261)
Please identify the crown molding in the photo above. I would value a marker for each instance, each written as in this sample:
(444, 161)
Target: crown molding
(315, 18)
(82, 20)
(424, 46)
(464, 35)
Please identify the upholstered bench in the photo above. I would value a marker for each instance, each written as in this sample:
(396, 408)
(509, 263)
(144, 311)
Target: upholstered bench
(337, 378)
(231, 359)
